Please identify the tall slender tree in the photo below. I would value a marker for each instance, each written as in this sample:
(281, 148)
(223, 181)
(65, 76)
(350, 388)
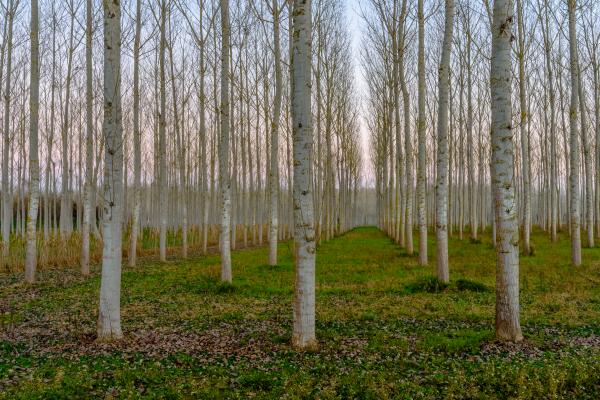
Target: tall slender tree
(7, 206)
(507, 236)
(137, 137)
(274, 169)
(574, 201)
(34, 162)
(89, 150)
(162, 135)
(422, 140)
(304, 230)
(441, 193)
(524, 133)
(109, 316)
(224, 177)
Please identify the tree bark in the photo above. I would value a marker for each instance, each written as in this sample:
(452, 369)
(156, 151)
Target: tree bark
(89, 151)
(162, 137)
(441, 198)
(109, 316)
(575, 215)
(7, 207)
(34, 162)
(525, 162)
(304, 232)
(507, 236)
(224, 178)
(274, 170)
(421, 126)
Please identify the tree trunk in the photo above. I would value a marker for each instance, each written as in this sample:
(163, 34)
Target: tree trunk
(89, 151)
(441, 198)
(34, 163)
(422, 157)
(162, 137)
(109, 317)
(7, 207)
(507, 242)
(224, 178)
(304, 234)
(524, 133)
(574, 140)
(274, 170)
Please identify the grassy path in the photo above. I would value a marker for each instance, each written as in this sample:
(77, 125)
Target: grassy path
(386, 329)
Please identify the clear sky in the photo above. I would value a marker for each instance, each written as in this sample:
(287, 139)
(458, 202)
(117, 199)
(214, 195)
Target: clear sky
(355, 26)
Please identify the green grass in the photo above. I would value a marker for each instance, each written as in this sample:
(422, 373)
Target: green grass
(386, 328)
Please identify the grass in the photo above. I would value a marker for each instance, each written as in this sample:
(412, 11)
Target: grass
(386, 328)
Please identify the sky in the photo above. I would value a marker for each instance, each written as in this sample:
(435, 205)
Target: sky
(355, 24)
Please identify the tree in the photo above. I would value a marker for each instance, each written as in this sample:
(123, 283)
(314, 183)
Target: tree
(109, 316)
(304, 231)
(224, 178)
(89, 150)
(137, 137)
(421, 132)
(162, 136)
(524, 134)
(7, 207)
(34, 162)
(441, 203)
(507, 236)
(274, 169)
(574, 201)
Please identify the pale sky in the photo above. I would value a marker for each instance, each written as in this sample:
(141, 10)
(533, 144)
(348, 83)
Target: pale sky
(355, 26)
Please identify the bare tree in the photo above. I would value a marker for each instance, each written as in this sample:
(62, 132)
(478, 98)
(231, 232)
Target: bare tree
(224, 178)
(442, 148)
(34, 162)
(137, 137)
(507, 239)
(575, 214)
(109, 316)
(304, 231)
(421, 131)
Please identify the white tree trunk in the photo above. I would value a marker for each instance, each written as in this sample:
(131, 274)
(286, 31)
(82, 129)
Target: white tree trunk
(274, 170)
(66, 205)
(524, 133)
(34, 162)
(137, 138)
(7, 207)
(224, 178)
(574, 200)
(304, 232)
(89, 151)
(507, 242)
(441, 198)
(109, 317)
(587, 167)
(422, 157)
(162, 137)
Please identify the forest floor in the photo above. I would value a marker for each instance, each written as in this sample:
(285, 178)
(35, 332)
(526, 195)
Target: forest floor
(386, 329)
